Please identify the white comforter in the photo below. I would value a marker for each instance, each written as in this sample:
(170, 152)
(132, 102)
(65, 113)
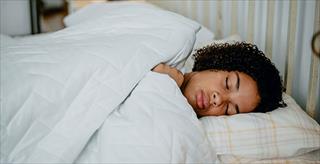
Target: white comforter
(154, 125)
(75, 96)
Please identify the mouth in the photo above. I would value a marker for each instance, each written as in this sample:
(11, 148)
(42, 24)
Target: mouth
(201, 100)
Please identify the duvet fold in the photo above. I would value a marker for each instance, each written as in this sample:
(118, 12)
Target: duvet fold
(59, 89)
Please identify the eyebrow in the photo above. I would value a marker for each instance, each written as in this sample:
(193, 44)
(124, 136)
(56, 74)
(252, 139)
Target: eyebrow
(238, 85)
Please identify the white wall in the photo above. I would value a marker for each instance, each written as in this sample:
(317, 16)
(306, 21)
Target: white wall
(303, 52)
(15, 17)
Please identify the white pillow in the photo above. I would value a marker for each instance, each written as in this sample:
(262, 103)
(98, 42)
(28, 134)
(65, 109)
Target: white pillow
(203, 36)
(284, 132)
(97, 10)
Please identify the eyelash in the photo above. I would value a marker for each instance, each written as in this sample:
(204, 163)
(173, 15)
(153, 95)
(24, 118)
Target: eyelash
(227, 79)
(226, 113)
(227, 87)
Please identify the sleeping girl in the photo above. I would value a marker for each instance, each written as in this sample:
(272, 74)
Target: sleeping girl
(228, 79)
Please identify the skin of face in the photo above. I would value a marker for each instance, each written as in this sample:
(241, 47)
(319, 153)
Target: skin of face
(215, 93)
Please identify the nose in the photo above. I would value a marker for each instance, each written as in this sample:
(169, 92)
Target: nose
(217, 99)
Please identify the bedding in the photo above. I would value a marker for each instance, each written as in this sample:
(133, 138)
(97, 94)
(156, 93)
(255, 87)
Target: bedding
(61, 91)
(308, 158)
(86, 95)
(154, 125)
(282, 133)
(97, 10)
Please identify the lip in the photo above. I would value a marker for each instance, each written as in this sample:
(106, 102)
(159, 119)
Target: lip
(201, 100)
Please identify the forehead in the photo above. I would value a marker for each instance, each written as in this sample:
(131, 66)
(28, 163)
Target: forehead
(207, 73)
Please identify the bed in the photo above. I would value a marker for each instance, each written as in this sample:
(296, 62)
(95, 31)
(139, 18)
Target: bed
(86, 94)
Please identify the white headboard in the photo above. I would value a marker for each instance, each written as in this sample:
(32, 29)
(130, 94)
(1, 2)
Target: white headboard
(282, 29)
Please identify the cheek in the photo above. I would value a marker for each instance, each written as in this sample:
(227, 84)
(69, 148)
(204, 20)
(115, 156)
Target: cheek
(188, 93)
(211, 112)
(255, 102)
(191, 88)
(217, 111)
(210, 84)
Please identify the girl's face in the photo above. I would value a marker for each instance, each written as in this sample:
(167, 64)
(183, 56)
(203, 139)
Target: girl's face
(215, 93)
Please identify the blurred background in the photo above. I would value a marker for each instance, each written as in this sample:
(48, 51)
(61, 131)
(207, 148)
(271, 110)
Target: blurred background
(24, 17)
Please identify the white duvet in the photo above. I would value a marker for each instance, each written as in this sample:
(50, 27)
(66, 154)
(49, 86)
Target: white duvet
(86, 94)
(154, 125)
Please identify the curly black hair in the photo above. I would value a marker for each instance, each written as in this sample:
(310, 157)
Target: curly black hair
(246, 58)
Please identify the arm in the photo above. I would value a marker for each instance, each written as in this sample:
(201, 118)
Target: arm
(174, 73)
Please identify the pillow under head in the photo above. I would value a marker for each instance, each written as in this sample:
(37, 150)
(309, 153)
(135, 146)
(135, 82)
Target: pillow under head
(284, 132)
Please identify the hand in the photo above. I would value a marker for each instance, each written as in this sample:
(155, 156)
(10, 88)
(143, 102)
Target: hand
(174, 73)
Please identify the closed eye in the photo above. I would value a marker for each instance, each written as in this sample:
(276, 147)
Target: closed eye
(227, 79)
(226, 111)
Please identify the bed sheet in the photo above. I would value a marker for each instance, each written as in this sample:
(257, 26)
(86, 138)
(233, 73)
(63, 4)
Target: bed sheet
(307, 158)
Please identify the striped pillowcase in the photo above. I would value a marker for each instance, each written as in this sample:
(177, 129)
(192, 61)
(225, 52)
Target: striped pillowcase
(284, 132)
